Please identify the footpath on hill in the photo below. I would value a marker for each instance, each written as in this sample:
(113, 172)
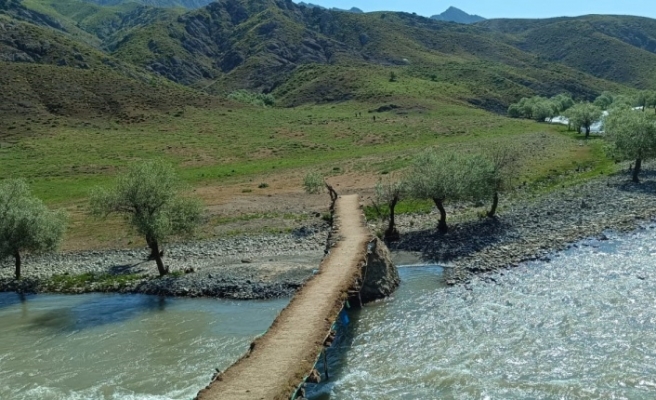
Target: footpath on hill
(279, 359)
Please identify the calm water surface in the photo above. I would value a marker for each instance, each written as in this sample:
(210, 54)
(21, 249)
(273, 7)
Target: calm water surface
(121, 346)
(582, 326)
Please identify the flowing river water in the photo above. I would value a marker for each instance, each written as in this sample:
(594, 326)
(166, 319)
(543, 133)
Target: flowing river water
(582, 325)
(128, 347)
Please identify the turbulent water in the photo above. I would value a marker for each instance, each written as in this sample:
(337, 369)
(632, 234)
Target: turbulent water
(121, 346)
(582, 326)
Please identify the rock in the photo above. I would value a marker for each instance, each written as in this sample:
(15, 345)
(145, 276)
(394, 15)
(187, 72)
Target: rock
(381, 277)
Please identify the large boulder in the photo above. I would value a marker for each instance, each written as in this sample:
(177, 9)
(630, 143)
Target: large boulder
(380, 275)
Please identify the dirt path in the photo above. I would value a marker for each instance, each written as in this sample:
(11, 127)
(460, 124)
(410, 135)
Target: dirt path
(287, 352)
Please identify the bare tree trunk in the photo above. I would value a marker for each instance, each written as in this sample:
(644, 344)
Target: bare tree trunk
(495, 204)
(587, 131)
(17, 256)
(157, 255)
(636, 170)
(441, 226)
(392, 234)
(333, 196)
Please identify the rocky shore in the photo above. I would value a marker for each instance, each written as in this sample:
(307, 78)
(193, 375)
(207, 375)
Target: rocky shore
(261, 267)
(528, 230)
(257, 267)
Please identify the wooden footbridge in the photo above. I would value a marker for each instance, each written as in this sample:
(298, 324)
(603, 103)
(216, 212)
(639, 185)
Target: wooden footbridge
(280, 360)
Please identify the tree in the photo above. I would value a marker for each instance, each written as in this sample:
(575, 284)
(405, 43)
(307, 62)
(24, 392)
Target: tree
(621, 102)
(505, 163)
(605, 100)
(633, 136)
(150, 198)
(562, 102)
(515, 111)
(583, 115)
(390, 192)
(453, 177)
(641, 99)
(651, 100)
(26, 224)
(540, 108)
(432, 177)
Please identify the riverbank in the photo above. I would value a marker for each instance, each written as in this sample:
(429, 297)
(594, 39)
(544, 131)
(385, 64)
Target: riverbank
(249, 267)
(272, 266)
(528, 230)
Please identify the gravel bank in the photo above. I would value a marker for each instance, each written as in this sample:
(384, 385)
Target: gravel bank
(530, 230)
(262, 267)
(257, 267)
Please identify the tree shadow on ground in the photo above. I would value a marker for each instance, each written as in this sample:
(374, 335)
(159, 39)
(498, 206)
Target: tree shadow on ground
(647, 183)
(127, 269)
(462, 240)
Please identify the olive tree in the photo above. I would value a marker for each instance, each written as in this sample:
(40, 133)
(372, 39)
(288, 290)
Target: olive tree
(26, 224)
(432, 177)
(504, 164)
(633, 136)
(604, 100)
(583, 115)
(453, 177)
(150, 198)
(389, 193)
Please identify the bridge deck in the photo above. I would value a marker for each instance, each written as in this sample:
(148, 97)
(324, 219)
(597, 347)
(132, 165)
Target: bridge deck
(280, 358)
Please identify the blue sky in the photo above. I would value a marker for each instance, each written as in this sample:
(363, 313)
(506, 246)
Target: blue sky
(503, 8)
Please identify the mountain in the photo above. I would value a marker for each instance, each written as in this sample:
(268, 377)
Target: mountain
(303, 54)
(616, 48)
(189, 4)
(453, 14)
(351, 10)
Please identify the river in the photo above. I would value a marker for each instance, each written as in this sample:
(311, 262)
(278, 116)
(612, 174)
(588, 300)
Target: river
(582, 325)
(128, 347)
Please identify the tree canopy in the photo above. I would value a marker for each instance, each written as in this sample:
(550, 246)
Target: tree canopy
(583, 115)
(450, 176)
(150, 198)
(633, 135)
(26, 224)
(540, 108)
(390, 192)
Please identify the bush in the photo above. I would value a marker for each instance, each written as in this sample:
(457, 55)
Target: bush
(313, 183)
(256, 99)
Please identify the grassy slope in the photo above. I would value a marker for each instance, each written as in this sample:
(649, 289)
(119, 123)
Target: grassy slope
(69, 129)
(266, 48)
(616, 48)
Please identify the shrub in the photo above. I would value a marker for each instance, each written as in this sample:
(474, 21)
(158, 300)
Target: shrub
(256, 99)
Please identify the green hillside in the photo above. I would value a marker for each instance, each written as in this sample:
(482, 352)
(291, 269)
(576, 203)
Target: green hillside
(88, 88)
(262, 45)
(616, 48)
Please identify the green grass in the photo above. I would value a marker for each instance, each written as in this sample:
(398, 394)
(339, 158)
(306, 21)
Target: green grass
(64, 162)
(100, 282)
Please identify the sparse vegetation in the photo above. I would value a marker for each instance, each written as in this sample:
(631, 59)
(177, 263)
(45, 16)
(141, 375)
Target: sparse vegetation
(389, 192)
(255, 99)
(26, 224)
(633, 136)
(582, 116)
(148, 196)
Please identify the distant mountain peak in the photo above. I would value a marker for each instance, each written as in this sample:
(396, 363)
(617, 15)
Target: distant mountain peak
(454, 14)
